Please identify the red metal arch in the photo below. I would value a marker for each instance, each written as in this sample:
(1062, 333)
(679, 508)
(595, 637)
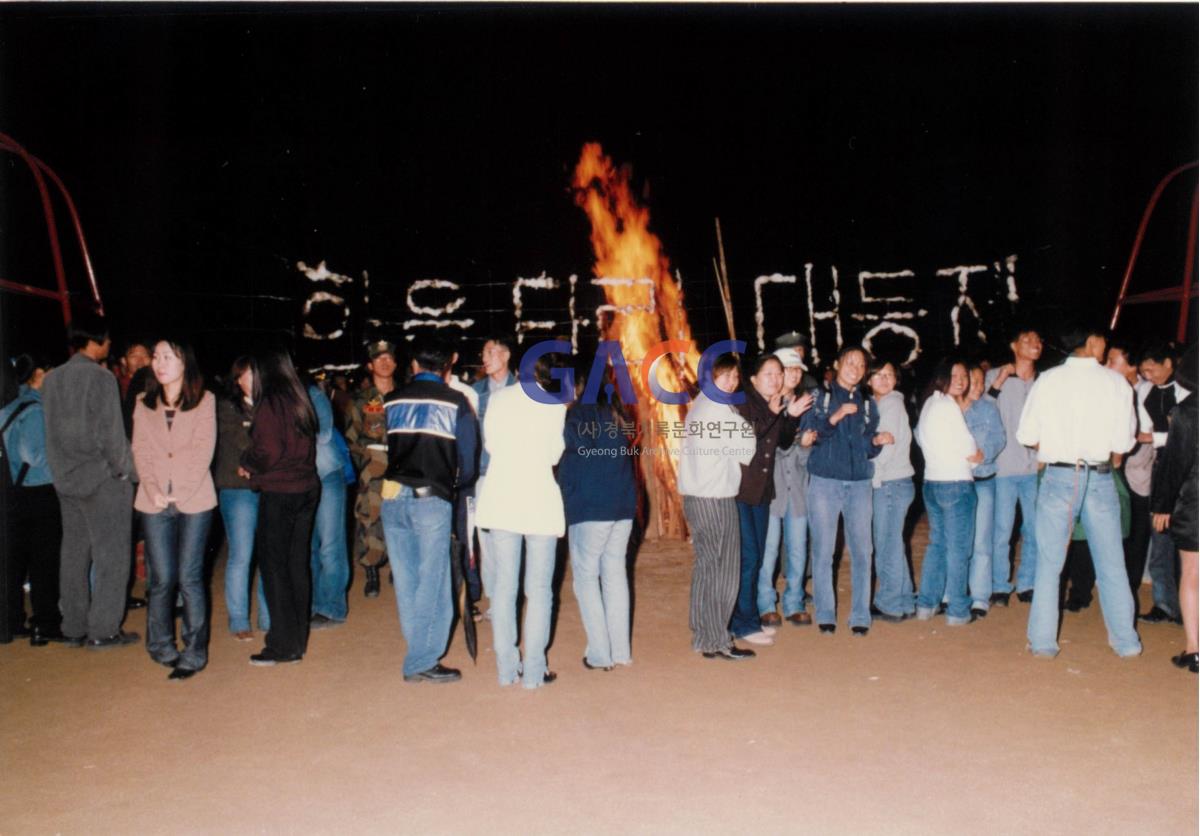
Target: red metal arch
(40, 171)
(1183, 292)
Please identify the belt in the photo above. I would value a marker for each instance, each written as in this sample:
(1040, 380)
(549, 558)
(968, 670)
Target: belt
(1103, 467)
(984, 478)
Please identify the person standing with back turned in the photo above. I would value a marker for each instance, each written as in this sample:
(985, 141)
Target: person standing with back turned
(1080, 417)
(92, 467)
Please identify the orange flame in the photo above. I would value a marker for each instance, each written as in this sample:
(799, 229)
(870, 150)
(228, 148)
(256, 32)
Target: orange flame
(649, 309)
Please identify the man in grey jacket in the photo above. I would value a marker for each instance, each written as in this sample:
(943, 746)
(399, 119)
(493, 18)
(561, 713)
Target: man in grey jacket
(92, 468)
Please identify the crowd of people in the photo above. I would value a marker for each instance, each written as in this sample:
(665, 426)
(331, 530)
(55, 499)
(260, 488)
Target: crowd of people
(481, 481)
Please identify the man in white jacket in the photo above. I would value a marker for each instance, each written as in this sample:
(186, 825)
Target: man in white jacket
(710, 471)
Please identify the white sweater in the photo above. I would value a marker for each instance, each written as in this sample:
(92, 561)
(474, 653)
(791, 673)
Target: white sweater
(711, 461)
(945, 440)
(525, 440)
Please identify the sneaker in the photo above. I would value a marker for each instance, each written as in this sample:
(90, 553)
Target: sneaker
(269, 657)
(926, 613)
(1025, 597)
(437, 674)
(1157, 615)
(760, 637)
(323, 622)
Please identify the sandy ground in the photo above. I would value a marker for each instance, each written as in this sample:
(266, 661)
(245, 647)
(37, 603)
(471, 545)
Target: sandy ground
(917, 728)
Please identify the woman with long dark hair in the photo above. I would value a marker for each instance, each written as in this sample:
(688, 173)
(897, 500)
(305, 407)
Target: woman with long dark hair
(239, 504)
(775, 421)
(1173, 502)
(600, 500)
(949, 494)
(174, 436)
(281, 465)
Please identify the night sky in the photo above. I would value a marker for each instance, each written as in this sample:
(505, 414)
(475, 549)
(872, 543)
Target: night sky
(210, 148)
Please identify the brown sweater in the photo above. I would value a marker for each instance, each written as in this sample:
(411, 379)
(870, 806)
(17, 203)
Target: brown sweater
(280, 458)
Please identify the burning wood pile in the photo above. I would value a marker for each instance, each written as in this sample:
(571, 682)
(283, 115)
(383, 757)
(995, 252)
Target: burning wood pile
(630, 262)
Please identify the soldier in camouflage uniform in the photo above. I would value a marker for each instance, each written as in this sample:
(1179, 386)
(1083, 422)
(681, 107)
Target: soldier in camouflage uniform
(367, 437)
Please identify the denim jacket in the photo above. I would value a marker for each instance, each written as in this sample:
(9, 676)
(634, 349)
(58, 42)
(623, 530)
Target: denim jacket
(25, 439)
(844, 451)
(983, 420)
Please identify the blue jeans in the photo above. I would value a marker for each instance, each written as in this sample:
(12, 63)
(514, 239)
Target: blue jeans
(1163, 563)
(950, 507)
(1065, 496)
(980, 584)
(330, 562)
(598, 566)
(794, 533)
(752, 522)
(539, 572)
(239, 512)
(828, 499)
(1009, 491)
(890, 503)
(175, 550)
(417, 531)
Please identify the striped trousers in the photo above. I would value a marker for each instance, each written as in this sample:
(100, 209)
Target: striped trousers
(715, 538)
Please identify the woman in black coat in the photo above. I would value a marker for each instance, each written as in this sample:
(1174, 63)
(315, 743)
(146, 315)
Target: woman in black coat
(1174, 499)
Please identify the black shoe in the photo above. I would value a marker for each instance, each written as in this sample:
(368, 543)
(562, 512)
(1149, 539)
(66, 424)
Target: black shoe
(592, 667)
(860, 631)
(828, 628)
(1157, 615)
(978, 612)
(1075, 605)
(182, 673)
(41, 638)
(269, 657)
(438, 673)
(733, 653)
(548, 677)
(21, 632)
(134, 603)
(1025, 597)
(941, 609)
(1187, 661)
(371, 584)
(999, 599)
(74, 641)
(119, 640)
(323, 622)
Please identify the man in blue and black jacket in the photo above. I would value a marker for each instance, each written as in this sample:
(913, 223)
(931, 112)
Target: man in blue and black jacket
(432, 437)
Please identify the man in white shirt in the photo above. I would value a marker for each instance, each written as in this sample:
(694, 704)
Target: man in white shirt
(710, 472)
(1080, 416)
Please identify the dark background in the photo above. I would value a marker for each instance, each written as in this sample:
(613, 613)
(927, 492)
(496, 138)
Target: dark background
(210, 148)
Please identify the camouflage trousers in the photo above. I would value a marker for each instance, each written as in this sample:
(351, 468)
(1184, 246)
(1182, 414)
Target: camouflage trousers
(370, 549)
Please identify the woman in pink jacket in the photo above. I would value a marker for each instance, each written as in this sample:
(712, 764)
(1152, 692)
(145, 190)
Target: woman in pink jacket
(174, 435)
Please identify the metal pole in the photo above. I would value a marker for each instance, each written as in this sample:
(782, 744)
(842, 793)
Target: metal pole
(1185, 299)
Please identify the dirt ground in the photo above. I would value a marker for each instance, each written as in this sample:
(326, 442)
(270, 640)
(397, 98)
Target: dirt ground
(917, 728)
